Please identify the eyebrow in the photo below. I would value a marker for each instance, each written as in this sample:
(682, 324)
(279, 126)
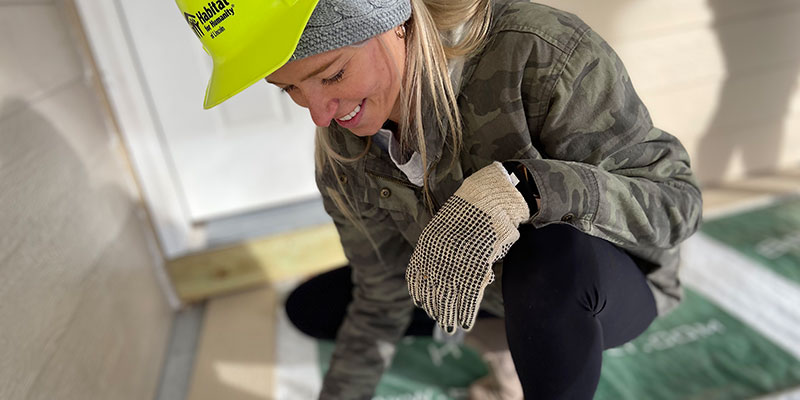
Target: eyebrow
(315, 72)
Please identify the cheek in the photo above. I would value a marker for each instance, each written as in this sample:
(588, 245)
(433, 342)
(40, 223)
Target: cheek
(374, 84)
(298, 98)
(387, 81)
(356, 89)
(377, 80)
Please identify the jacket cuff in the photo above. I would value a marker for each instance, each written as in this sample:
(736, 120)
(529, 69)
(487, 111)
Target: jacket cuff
(568, 193)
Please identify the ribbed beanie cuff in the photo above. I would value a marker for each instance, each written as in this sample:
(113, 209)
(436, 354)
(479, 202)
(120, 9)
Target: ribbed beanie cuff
(339, 23)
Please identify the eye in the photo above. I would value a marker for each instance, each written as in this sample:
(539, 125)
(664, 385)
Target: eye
(334, 79)
(287, 89)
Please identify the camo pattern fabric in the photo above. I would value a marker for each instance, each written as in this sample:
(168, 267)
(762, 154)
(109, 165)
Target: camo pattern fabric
(548, 92)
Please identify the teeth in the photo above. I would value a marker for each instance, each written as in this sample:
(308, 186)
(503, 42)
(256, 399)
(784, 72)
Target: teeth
(352, 114)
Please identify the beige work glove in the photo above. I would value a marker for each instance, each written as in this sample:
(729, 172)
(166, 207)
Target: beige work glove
(452, 262)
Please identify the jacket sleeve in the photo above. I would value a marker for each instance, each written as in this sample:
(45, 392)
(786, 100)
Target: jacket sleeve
(381, 308)
(605, 168)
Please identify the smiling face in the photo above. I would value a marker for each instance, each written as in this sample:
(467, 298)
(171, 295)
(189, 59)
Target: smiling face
(357, 86)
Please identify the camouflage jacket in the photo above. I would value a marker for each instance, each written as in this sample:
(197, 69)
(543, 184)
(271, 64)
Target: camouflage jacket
(548, 92)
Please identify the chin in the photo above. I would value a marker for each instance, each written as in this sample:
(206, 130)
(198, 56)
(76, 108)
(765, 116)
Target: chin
(364, 131)
(359, 134)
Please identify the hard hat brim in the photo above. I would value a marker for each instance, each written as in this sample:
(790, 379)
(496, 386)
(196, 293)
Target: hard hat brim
(265, 52)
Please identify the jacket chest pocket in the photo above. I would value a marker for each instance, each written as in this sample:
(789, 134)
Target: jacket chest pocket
(403, 201)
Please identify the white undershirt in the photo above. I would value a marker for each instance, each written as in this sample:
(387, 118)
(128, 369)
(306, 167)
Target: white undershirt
(411, 167)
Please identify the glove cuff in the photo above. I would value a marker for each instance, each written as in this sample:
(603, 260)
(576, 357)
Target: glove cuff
(491, 190)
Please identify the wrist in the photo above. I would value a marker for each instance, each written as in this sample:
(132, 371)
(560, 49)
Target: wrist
(526, 185)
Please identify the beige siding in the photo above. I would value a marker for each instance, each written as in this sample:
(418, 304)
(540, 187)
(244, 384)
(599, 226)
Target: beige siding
(722, 75)
(83, 316)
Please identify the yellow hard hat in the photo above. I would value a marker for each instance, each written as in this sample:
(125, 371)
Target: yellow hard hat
(246, 39)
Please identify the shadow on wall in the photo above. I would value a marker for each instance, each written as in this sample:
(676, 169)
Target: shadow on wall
(44, 180)
(35, 162)
(758, 44)
(754, 103)
(56, 227)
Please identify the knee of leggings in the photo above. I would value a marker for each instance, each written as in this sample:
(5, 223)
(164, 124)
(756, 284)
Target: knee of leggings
(293, 308)
(296, 307)
(551, 269)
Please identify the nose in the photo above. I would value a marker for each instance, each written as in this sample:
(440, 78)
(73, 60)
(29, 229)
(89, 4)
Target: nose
(323, 108)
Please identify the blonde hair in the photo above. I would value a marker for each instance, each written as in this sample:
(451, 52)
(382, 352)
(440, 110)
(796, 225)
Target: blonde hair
(438, 32)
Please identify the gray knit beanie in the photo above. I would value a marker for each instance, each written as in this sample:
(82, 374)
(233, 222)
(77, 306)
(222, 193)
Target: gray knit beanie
(339, 23)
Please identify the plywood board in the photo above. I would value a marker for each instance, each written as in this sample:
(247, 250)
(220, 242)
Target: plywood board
(257, 262)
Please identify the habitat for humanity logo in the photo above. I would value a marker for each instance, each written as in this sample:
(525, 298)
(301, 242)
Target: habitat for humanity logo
(210, 17)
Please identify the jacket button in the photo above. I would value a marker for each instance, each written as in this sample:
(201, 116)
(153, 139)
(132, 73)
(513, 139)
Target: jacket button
(567, 218)
(343, 179)
(385, 193)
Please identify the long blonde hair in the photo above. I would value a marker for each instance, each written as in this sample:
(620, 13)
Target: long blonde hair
(438, 32)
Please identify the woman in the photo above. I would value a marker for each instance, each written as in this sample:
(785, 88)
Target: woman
(476, 155)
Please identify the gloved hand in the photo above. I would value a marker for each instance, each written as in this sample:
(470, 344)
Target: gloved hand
(452, 262)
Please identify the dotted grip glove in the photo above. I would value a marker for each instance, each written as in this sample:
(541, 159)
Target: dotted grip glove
(452, 262)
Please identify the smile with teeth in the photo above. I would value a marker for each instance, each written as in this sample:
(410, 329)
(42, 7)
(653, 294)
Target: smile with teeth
(352, 114)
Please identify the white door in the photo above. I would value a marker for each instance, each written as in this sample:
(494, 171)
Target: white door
(253, 152)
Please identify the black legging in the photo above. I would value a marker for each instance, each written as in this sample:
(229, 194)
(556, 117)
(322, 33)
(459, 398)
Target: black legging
(567, 297)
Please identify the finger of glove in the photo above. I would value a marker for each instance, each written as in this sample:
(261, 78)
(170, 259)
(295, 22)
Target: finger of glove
(441, 292)
(411, 283)
(417, 277)
(419, 286)
(430, 297)
(466, 308)
(420, 266)
(471, 286)
(433, 269)
(469, 303)
(412, 280)
(422, 294)
(448, 303)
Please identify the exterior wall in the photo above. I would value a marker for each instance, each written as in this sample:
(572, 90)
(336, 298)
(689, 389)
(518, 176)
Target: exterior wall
(82, 313)
(721, 75)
